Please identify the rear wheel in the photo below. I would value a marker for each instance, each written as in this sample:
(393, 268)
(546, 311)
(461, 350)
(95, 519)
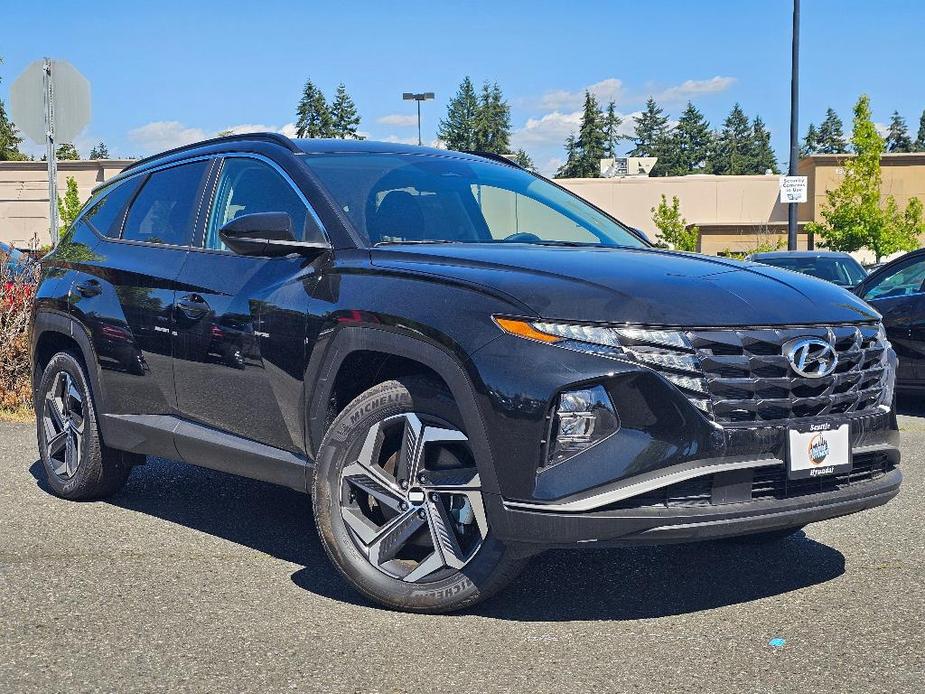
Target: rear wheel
(77, 464)
(398, 502)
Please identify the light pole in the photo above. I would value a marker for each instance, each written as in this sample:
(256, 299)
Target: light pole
(794, 123)
(422, 96)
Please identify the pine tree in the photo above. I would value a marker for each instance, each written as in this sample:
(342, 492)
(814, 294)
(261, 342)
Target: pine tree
(570, 168)
(651, 128)
(100, 151)
(457, 130)
(691, 140)
(591, 141)
(831, 138)
(66, 151)
(733, 144)
(810, 142)
(492, 124)
(344, 116)
(313, 117)
(9, 137)
(612, 136)
(522, 159)
(761, 156)
(897, 139)
(919, 144)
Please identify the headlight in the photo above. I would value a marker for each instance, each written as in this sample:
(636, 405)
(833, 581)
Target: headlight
(581, 419)
(667, 351)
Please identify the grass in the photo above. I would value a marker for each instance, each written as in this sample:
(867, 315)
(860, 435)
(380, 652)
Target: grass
(20, 415)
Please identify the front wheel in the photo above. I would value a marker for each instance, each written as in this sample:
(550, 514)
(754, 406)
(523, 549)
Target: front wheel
(398, 502)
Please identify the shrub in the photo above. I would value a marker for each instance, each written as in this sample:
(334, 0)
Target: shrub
(16, 292)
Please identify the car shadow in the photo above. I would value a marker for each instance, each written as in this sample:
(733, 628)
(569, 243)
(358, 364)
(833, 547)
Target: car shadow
(562, 585)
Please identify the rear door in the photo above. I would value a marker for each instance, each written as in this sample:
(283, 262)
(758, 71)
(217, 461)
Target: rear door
(899, 295)
(240, 321)
(125, 291)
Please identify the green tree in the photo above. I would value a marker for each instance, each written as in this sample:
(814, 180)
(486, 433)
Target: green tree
(673, 228)
(691, 140)
(571, 166)
(810, 142)
(831, 135)
(492, 123)
(344, 117)
(69, 208)
(521, 158)
(100, 151)
(854, 215)
(66, 152)
(313, 117)
(919, 144)
(612, 136)
(650, 132)
(897, 139)
(457, 130)
(591, 141)
(9, 137)
(733, 145)
(761, 155)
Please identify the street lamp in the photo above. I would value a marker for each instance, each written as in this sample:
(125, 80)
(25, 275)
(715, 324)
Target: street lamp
(794, 122)
(423, 96)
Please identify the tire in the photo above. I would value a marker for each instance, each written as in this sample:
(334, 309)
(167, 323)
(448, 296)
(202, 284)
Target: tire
(765, 538)
(438, 554)
(78, 466)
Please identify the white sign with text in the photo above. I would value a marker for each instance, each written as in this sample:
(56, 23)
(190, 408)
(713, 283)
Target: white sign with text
(793, 188)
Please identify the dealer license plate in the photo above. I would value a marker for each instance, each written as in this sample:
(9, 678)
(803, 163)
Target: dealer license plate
(819, 449)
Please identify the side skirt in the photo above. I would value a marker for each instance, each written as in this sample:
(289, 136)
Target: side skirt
(173, 437)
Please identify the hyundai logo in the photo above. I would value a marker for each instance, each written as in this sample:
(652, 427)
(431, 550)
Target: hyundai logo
(811, 357)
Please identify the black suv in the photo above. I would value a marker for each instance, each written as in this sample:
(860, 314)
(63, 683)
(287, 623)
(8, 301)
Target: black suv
(462, 362)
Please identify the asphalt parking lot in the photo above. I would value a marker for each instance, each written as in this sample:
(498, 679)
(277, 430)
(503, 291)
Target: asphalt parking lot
(190, 580)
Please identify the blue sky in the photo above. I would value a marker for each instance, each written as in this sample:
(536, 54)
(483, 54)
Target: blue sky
(170, 72)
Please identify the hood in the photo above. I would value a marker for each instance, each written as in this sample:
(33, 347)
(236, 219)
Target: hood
(642, 286)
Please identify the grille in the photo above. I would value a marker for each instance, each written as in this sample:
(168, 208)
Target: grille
(766, 483)
(743, 376)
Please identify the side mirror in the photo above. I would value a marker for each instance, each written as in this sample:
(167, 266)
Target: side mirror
(267, 234)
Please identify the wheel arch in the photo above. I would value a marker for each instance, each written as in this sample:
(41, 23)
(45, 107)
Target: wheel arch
(358, 358)
(54, 332)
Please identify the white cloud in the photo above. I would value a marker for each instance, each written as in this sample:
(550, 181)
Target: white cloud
(398, 119)
(552, 127)
(610, 89)
(164, 134)
(400, 140)
(690, 89)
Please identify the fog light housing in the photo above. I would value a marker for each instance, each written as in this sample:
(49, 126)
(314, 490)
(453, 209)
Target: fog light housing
(582, 418)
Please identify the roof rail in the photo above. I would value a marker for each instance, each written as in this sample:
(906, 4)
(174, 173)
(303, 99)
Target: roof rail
(276, 138)
(494, 157)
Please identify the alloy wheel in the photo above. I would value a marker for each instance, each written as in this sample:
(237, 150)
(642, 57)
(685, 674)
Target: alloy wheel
(63, 419)
(412, 499)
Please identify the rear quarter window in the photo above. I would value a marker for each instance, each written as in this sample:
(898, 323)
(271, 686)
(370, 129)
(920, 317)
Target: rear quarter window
(105, 216)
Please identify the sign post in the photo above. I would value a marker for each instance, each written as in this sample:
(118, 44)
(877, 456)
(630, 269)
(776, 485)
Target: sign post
(50, 103)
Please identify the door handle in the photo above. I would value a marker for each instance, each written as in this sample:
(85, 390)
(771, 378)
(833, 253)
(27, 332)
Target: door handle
(88, 288)
(193, 305)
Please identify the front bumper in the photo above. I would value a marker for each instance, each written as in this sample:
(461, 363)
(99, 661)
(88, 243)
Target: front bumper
(737, 494)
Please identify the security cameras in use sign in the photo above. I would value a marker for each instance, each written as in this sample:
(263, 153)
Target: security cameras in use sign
(793, 188)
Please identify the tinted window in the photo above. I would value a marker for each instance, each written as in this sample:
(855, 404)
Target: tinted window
(842, 271)
(106, 213)
(399, 198)
(248, 186)
(903, 281)
(165, 209)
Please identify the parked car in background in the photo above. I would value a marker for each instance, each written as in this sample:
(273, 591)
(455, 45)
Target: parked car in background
(837, 268)
(897, 291)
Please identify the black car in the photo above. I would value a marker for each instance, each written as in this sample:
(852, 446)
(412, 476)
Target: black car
(897, 291)
(832, 266)
(463, 363)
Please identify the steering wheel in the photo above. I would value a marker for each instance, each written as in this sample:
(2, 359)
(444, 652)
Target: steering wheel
(522, 236)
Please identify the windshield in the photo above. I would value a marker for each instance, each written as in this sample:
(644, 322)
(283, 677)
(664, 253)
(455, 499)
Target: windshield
(845, 272)
(413, 198)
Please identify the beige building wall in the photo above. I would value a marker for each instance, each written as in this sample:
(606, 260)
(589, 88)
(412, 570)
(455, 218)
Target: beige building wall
(24, 194)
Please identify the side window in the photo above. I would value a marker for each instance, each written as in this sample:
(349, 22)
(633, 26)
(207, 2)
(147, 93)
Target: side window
(247, 186)
(906, 280)
(106, 214)
(165, 209)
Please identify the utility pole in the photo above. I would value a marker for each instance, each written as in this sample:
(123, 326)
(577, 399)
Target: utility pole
(794, 123)
(419, 97)
(49, 86)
